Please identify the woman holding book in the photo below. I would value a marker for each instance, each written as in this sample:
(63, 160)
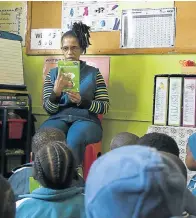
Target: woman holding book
(76, 113)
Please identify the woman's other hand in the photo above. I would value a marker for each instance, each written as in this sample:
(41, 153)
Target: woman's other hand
(74, 97)
(61, 83)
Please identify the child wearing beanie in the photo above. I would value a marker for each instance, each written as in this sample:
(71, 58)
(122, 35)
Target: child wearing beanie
(53, 170)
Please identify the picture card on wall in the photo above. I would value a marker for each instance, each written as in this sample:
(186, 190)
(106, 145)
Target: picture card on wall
(189, 101)
(161, 100)
(45, 38)
(175, 101)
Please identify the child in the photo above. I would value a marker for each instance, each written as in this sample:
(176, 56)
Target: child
(146, 184)
(7, 202)
(20, 178)
(123, 138)
(161, 142)
(191, 161)
(53, 169)
(191, 153)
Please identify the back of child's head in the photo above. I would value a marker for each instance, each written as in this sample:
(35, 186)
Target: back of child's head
(147, 184)
(7, 202)
(123, 138)
(44, 136)
(161, 142)
(54, 166)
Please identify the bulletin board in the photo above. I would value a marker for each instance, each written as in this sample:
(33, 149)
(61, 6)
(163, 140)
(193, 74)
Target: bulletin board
(48, 15)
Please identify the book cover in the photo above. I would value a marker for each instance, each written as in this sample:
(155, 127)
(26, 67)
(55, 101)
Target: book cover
(175, 101)
(189, 102)
(161, 100)
(33, 184)
(71, 71)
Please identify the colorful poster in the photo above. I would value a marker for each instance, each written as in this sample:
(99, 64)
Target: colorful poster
(45, 39)
(189, 102)
(13, 17)
(175, 101)
(100, 16)
(102, 63)
(161, 99)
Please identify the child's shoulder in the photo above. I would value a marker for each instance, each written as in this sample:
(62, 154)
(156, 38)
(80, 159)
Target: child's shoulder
(19, 180)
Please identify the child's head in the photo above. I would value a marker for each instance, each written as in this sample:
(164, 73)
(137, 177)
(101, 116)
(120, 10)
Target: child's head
(54, 166)
(160, 141)
(45, 135)
(123, 138)
(146, 184)
(7, 202)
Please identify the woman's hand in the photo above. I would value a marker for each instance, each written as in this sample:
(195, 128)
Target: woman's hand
(61, 82)
(74, 97)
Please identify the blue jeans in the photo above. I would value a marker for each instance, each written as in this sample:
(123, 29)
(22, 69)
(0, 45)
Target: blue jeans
(79, 134)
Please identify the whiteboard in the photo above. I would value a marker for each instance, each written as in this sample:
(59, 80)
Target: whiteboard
(11, 62)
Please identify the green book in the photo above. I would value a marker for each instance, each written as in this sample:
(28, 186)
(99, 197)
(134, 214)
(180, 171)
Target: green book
(33, 184)
(71, 70)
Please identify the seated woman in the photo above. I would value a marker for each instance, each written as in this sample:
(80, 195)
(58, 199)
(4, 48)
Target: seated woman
(52, 195)
(76, 113)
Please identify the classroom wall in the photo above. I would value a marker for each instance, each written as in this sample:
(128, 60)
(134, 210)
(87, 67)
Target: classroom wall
(130, 90)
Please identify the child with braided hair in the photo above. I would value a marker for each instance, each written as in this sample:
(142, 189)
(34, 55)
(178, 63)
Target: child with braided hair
(7, 203)
(20, 177)
(76, 113)
(53, 169)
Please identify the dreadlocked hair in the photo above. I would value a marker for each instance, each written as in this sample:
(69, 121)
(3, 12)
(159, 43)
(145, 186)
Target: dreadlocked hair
(54, 166)
(82, 33)
(45, 135)
(7, 203)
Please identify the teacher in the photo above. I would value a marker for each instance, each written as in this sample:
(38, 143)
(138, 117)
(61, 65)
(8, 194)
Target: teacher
(76, 113)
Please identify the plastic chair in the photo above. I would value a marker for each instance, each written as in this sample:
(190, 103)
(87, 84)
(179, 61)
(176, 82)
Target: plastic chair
(92, 152)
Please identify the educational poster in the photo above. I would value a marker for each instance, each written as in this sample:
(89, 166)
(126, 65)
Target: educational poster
(100, 16)
(161, 99)
(145, 4)
(148, 28)
(189, 102)
(175, 101)
(13, 18)
(103, 63)
(45, 39)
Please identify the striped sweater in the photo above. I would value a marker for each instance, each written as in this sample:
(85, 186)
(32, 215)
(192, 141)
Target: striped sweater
(99, 105)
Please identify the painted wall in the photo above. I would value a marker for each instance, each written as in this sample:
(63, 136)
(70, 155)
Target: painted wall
(130, 90)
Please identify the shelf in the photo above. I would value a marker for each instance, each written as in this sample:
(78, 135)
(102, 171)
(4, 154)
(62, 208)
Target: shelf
(15, 107)
(13, 91)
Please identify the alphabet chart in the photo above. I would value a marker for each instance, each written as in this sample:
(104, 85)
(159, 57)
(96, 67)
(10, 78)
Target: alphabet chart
(45, 38)
(148, 28)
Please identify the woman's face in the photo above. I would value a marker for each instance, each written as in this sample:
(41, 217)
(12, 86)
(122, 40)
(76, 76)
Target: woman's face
(71, 49)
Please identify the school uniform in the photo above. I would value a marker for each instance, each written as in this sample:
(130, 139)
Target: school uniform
(49, 203)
